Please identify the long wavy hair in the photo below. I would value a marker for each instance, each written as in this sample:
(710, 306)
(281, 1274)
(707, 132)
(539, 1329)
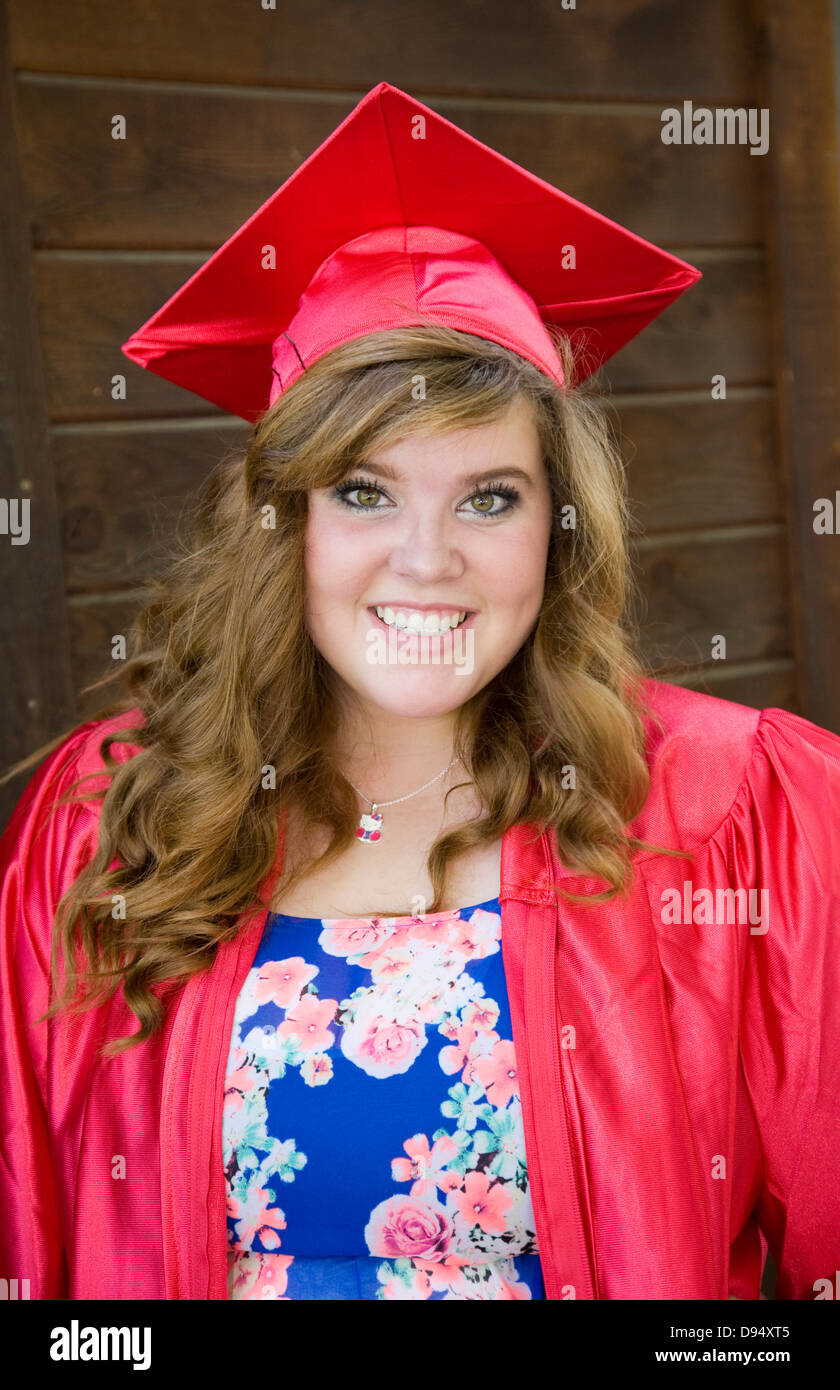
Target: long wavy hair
(227, 681)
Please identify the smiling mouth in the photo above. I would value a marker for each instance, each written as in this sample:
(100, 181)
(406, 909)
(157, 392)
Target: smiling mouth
(415, 631)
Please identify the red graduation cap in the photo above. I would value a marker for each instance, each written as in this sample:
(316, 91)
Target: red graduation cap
(400, 217)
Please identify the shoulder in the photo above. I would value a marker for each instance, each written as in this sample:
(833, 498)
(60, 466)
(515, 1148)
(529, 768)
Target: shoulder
(693, 722)
(84, 747)
(699, 748)
(49, 837)
(712, 761)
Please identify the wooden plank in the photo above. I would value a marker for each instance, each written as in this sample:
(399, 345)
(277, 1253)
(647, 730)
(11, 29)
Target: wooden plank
(803, 198)
(632, 50)
(34, 640)
(696, 464)
(89, 303)
(87, 307)
(700, 463)
(761, 684)
(92, 630)
(233, 150)
(116, 536)
(695, 589)
(719, 326)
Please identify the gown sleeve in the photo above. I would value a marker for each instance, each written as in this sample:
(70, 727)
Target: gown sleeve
(42, 851)
(786, 841)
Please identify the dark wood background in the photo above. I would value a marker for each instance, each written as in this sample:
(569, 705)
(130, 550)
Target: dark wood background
(223, 100)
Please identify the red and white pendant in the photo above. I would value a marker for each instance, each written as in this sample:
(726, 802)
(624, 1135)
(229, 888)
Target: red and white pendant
(368, 829)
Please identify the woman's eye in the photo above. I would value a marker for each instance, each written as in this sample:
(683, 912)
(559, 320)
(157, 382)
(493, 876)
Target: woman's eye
(343, 492)
(367, 493)
(509, 496)
(364, 497)
(486, 499)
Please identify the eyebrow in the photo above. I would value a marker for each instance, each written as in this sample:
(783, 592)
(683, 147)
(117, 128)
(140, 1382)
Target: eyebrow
(385, 470)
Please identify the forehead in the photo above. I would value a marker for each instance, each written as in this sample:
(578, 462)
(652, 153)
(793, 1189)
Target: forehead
(510, 440)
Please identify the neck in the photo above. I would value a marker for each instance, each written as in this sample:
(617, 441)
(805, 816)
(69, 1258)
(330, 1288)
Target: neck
(370, 736)
(390, 748)
(401, 754)
(395, 758)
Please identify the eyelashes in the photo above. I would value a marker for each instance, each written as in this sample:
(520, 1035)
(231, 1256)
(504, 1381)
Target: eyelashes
(511, 496)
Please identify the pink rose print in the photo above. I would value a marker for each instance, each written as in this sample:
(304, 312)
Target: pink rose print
(409, 1227)
(308, 1021)
(282, 981)
(478, 936)
(496, 1072)
(258, 1276)
(423, 1164)
(353, 936)
(438, 928)
(402, 933)
(382, 1046)
(482, 1203)
(254, 1217)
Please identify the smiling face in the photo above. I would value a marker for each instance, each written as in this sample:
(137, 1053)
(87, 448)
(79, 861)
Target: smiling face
(436, 525)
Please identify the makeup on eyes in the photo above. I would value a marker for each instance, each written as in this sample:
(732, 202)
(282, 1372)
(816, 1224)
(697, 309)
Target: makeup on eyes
(495, 487)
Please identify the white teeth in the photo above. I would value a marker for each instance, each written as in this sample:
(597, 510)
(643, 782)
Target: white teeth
(427, 623)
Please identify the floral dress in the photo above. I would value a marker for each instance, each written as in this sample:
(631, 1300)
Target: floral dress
(372, 1136)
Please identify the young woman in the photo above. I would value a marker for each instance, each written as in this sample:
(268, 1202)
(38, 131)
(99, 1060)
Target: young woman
(395, 936)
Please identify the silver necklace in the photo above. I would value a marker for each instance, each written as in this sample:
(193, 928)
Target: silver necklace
(369, 829)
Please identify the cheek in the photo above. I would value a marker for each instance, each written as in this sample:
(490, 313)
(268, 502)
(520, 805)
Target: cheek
(334, 559)
(515, 573)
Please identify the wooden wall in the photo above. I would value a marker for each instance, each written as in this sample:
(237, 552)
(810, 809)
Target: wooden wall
(223, 100)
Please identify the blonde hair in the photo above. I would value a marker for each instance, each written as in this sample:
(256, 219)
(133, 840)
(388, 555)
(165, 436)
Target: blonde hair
(228, 680)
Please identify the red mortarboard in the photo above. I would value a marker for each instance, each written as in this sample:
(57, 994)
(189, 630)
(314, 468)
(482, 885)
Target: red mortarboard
(400, 216)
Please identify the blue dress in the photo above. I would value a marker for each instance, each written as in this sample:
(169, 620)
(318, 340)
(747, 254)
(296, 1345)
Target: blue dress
(372, 1137)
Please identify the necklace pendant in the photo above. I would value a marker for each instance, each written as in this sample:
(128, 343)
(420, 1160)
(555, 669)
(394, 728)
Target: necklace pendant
(368, 829)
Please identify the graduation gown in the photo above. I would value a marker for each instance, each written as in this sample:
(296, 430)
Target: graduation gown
(679, 1072)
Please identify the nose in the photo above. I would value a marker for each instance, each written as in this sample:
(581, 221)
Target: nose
(426, 547)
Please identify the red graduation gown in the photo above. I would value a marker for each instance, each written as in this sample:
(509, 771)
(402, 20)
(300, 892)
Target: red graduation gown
(679, 1074)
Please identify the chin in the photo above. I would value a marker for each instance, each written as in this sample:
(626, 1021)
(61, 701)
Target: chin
(420, 699)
